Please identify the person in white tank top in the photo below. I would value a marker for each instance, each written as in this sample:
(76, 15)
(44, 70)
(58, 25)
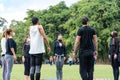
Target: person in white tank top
(37, 39)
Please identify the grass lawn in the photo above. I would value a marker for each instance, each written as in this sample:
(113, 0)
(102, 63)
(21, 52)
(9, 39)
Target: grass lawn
(69, 72)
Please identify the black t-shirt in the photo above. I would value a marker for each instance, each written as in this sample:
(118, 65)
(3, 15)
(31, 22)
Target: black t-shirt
(10, 44)
(26, 48)
(86, 41)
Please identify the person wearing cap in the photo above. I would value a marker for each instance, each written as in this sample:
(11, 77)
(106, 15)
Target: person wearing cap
(113, 54)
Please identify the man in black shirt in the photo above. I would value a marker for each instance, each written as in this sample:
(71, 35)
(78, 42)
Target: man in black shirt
(88, 51)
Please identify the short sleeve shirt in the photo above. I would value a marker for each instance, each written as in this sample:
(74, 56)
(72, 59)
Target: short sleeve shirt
(10, 44)
(86, 41)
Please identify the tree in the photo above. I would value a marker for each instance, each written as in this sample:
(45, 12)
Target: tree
(67, 20)
(2, 21)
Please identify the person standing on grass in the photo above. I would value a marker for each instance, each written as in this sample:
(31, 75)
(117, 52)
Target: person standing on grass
(113, 54)
(88, 51)
(26, 57)
(3, 47)
(11, 49)
(59, 56)
(37, 39)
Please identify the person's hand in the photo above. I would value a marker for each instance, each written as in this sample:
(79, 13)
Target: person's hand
(23, 59)
(95, 57)
(115, 56)
(54, 57)
(48, 49)
(74, 53)
(109, 57)
(64, 58)
(15, 58)
(95, 54)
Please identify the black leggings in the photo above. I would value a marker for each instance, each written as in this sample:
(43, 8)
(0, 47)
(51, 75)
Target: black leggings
(27, 66)
(115, 66)
(36, 63)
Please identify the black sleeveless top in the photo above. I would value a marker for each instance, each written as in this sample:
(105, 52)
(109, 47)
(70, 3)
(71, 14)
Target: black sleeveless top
(114, 47)
(26, 48)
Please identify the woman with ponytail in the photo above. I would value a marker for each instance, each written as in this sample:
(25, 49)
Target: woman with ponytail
(11, 50)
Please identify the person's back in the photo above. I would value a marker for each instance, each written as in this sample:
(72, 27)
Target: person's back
(36, 40)
(86, 41)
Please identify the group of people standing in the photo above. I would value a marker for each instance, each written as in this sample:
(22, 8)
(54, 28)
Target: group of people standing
(32, 52)
(33, 49)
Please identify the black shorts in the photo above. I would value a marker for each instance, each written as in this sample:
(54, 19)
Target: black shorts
(36, 60)
(27, 66)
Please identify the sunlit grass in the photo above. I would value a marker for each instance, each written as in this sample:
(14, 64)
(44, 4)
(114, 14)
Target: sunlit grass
(69, 72)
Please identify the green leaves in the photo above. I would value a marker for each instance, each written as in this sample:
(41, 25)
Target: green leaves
(104, 17)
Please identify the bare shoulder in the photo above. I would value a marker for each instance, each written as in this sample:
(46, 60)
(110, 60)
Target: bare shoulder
(40, 27)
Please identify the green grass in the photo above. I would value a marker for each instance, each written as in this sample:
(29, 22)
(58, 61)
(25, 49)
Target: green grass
(69, 72)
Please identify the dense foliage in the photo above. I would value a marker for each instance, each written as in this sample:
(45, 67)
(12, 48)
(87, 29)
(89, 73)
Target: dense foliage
(104, 18)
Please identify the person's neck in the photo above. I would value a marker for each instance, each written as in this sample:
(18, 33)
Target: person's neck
(10, 37)
(85, 25)
(27, 42)
(35, 24)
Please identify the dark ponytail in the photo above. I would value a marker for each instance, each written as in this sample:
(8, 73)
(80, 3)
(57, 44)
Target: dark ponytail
(7, 32)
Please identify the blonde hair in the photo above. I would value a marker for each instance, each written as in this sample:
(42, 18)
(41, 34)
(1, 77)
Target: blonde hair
(3, 34)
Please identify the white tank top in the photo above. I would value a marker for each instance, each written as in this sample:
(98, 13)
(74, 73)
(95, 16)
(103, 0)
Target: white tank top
(3, 46)
(36, 41)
